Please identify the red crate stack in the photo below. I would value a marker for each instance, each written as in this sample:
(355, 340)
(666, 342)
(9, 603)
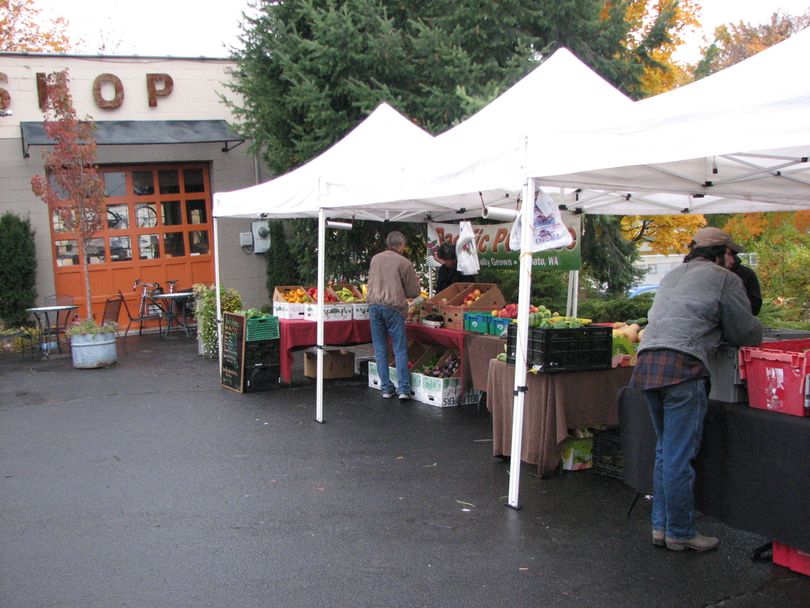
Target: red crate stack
(777, 376)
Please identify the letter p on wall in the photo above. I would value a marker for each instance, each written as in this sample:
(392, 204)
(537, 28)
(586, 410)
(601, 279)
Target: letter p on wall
(152, 89)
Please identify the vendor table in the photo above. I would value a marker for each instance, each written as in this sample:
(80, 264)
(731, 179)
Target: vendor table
(752, 470)
(295, 334)
(554, 402)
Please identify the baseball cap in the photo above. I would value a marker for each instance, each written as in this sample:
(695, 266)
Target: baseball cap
(709, 237)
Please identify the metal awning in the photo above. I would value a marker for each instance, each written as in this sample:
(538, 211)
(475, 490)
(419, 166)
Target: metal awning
(143, 132)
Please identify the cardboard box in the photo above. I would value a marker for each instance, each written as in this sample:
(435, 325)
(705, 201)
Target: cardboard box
(336, 363)
(440, 392)
(449, 303)
(284, 309)
(360, 311)
(577, 454)
(331, 312)
(335, 287)
(288, 310)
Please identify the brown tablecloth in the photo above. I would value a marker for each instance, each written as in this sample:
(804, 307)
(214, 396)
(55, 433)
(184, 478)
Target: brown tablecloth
(478, 350)
(554, 403)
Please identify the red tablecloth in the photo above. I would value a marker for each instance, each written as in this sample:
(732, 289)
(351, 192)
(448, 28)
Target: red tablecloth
(295, 334)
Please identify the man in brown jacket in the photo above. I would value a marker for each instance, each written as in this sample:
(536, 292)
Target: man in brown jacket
(391, 281)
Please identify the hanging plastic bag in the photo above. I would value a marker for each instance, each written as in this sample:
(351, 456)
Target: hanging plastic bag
(466, 253)
(548, 230)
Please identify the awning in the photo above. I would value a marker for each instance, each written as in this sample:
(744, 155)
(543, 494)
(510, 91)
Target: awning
(143, 132)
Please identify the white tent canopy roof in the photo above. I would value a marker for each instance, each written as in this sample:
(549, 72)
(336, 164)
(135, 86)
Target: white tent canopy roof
(383, 140)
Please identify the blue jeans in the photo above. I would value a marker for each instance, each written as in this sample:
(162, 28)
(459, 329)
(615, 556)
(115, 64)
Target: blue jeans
(677, 413)
(388, 322)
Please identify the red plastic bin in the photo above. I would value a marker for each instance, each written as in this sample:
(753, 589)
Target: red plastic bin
(787, 556)
(778, 376)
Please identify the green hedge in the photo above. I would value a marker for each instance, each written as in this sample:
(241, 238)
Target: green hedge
(606, 310)
(18, 269)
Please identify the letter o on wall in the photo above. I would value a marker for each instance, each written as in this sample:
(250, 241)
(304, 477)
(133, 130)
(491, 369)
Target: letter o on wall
(117, 100)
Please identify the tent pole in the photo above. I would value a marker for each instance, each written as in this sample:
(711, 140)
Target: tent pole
(218, 296)
(524, 295)
(319, 346)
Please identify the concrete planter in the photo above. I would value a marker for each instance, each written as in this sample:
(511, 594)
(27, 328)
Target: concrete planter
(93, 350)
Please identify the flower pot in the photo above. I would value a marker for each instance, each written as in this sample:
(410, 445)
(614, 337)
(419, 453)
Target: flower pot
(93, 350)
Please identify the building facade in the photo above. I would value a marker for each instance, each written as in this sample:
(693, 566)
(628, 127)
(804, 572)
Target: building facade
(165, 145)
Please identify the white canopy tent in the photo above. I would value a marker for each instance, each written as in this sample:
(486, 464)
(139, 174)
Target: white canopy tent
(381, 151)
(737, 141)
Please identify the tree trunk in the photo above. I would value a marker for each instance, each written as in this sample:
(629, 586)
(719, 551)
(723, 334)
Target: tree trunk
(86, 276)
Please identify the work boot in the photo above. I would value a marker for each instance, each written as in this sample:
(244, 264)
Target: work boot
(658, 538)
(697, 543)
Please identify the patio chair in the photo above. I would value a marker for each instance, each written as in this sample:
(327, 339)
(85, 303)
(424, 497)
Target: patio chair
(149, 314)
(112, 310)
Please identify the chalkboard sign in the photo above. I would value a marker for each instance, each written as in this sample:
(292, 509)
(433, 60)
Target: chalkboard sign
(233, 351)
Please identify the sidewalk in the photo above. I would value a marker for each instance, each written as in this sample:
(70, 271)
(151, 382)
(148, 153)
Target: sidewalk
(149, 485)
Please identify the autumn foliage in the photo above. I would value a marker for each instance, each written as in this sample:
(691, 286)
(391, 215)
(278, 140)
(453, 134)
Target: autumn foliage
(22, 29)
(73, 188)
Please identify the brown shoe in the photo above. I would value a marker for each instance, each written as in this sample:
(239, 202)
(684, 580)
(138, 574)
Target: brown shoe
(697, 543)
(658, 538)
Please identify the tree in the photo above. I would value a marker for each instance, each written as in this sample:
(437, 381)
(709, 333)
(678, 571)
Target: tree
(665, 234)
(309, 71)
(72, 188)
(607, 256)
(22, 29)
(18, 269)
(734, 42)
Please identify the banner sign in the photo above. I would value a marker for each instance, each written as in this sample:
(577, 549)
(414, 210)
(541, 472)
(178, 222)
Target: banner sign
(492, 243)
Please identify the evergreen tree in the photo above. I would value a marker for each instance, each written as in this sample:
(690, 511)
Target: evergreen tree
(18, 269)
(311, 70)
(607, 256)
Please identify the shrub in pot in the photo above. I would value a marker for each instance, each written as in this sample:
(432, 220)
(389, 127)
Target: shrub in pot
(93, 345)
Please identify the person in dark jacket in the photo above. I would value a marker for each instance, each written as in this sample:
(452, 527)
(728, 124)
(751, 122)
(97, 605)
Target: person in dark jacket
(749, 279)
(697, 305)
(446, 256)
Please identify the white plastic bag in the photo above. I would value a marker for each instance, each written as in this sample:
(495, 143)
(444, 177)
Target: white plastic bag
(548, 230)
(466, 253)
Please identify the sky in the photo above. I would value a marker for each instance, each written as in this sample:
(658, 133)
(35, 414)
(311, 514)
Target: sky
(194, 28)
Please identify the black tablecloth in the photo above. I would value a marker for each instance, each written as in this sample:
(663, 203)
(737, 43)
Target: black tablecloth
(753, 470)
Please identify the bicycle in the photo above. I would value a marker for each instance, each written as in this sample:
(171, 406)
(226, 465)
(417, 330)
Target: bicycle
(148, 307)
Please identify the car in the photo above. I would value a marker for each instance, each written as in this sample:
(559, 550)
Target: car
(640, 289)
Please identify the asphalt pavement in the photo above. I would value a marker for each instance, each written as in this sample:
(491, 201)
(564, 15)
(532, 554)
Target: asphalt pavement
(148, 485)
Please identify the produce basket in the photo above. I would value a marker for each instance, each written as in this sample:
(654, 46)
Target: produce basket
(261, 328)
(564, 350)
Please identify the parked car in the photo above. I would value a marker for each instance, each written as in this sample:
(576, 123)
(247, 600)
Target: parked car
(640, 289)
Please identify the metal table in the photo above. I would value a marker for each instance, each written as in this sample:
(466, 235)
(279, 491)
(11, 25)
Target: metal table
(175, 316)
(52, 323)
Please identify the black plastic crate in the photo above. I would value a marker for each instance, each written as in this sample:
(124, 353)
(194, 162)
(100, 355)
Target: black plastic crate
(262, 378)
(262, 352)
(564, 350)
(607, 453)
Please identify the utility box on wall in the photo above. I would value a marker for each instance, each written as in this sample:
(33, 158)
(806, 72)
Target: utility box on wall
(261, 236)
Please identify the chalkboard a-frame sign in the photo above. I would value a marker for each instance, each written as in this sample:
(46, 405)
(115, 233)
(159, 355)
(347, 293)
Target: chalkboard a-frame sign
(233, 352)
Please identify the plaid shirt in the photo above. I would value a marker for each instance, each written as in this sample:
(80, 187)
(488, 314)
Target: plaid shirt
(664, 367)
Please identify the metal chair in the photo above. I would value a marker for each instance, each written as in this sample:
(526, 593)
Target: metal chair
(112, 310)
(149, 313)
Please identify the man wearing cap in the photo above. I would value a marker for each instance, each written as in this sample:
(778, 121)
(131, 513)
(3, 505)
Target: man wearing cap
(696, 306)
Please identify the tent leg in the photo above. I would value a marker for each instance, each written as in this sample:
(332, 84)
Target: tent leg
(218, 296)
(320, 333)
(524, 294)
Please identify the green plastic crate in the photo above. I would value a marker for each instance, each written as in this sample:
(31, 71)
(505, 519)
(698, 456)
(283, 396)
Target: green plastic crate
(261, 328)
(477, 322)
(497, 325)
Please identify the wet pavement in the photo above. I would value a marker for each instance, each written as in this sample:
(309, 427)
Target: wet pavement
(149, 485)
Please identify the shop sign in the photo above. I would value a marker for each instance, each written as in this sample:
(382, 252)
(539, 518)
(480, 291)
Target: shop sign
(492, 243)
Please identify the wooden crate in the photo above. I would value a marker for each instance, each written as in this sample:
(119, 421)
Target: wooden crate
(449, 303)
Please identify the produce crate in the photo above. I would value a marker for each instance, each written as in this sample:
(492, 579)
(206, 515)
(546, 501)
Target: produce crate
(787, 556)
(262, 353)
(261, 328)
(335, 287)
(778, 376)
(262, 378)
(284, 309)
(498, 326)
(564, 350)
(331, 312)
(477, 322)
(607, 453)
(449, 303)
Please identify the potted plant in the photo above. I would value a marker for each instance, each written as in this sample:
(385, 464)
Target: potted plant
(205, 302)
(73, 188)
(92, 345)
